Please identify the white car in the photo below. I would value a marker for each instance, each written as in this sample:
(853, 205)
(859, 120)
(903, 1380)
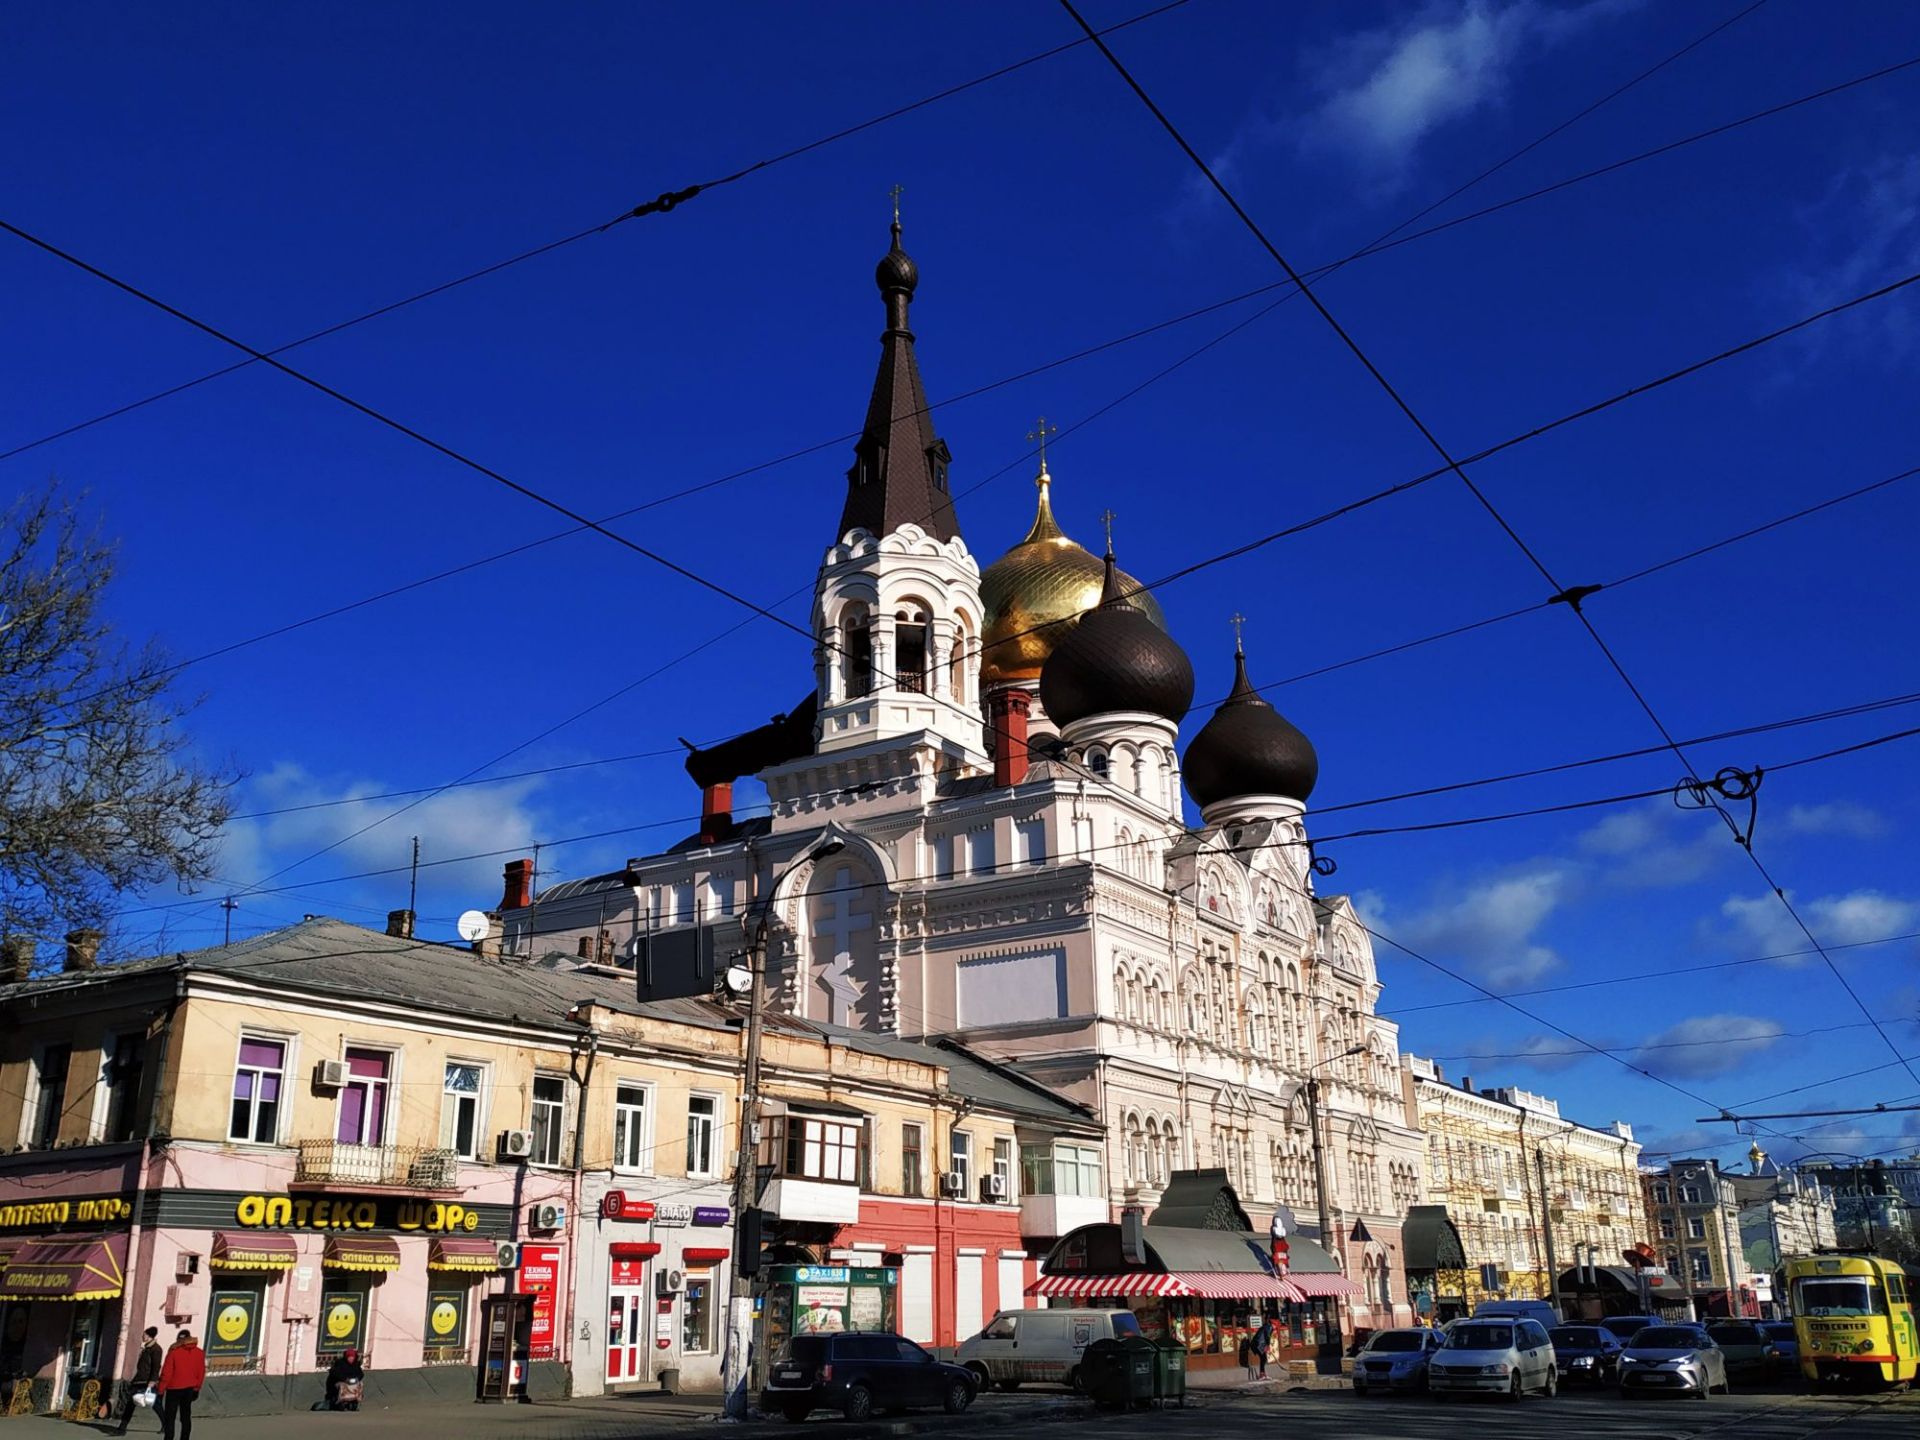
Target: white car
(1680, 1359)
(1494, 1357)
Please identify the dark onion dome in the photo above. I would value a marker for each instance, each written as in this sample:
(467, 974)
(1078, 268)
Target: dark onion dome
(1248, 748)
(896, 270)
(1116, 659)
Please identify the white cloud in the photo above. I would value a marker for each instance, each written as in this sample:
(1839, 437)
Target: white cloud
(1837, 817)
(1389, 88)
(1656, 845)
(1862, 233)
(1492, 925)
(1761, 923)
(1708, 1045)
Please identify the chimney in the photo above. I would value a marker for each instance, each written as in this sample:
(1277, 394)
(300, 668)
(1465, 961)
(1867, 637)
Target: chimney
(1466, 1083)
(400, 924)
(83, 949)
(586, 947)
(16, 959)
(518, 894)
(1007, 710)
(716, 811)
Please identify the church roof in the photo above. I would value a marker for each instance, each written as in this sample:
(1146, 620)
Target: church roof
(1116, 659)
(899, 473)
(1248, 748)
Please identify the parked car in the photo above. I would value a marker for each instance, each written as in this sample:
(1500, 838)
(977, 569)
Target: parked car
(1494, 1357)
(859, 1372)
(1625, 1327)
(1395, 1360)
(1678, 1359)
(1586, 1352)
(1747, 1348)
(1022, 1347)
(1785, 1340)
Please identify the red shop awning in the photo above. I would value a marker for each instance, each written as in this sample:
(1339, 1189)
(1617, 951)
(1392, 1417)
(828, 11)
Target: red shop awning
(243, 1250)
(633, 1250)
(704, 1254)
(1323, 1286)
(94, 1268)
(1088, 1287)
(1231, 1285)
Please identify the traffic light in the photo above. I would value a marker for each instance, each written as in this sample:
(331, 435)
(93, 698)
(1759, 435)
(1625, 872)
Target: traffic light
(746, 1241)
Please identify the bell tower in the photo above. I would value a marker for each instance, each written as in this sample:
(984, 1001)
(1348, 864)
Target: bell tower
(896, 608)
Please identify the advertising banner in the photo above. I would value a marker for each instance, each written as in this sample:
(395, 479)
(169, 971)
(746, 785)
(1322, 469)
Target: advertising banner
(540, 1277)
(446, 1327)
(234, 1330)
(343, 1314)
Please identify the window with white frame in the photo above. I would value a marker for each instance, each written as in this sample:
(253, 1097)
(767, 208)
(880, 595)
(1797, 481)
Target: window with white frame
(460, 1087)
(123, 1063)
(681, 902)
(259, 1078)
(703, 1124)
(960, 1160)
(632, 1126)
(549, 1119)
(1697, 1227)
(719, 896)
(1003, 1167)
(49, 1096)
(823, 1147)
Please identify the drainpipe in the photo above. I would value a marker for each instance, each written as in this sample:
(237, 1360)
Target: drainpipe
(581, 1081)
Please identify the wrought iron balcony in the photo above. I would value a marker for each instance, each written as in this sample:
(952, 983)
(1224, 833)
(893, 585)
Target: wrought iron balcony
(377, 1167)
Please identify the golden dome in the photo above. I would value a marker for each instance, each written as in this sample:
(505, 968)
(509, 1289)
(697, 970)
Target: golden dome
(1035, 594)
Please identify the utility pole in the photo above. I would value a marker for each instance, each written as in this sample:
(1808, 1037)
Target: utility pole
(413, 880)
(229, 905)
(1546, 1227)
(739, 1338)
(1319, 1161)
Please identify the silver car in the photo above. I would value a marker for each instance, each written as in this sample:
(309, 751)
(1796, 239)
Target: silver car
(1494, 1357)
(1679, 1359)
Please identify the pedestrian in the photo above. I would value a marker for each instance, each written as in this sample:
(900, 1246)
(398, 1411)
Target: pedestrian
(182, 1374)
(1263, 1344)
(146, 1370)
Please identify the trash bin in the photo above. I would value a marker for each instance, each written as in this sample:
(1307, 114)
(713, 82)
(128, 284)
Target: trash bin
(1170, 1373)
(1119, 1374)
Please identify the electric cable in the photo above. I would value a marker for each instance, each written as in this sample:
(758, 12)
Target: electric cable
(1457, 469)
(663, 204)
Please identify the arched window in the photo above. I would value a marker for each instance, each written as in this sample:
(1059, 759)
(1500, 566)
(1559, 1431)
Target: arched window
(911, 634)
(1098, 763)
(856, 651)
(957, 666)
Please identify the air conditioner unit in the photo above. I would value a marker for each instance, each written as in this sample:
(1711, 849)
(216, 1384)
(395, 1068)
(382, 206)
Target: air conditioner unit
(507, 1255)
(997, 1187)
(670, 1282)
(954, 1182)
(549, 1216)
(331, 1075)
(516, 1144)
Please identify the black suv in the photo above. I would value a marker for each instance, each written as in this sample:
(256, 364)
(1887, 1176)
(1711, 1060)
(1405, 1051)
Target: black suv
(860, 1372)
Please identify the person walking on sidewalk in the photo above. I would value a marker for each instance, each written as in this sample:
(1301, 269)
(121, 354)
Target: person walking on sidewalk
(182, 1374)
(1263, 1344)
(146, 1371)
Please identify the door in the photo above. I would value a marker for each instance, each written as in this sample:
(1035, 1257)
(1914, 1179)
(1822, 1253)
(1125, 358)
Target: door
(628, 1337)
(83, 1348)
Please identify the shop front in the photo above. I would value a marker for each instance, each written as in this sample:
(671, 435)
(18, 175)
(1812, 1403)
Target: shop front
(827, 1299)
(63, 1278)
(651, 1286)
(1436, 1263)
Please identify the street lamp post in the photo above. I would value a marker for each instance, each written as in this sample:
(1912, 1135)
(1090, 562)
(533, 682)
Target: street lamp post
(740, 1301)
(1319, 1156)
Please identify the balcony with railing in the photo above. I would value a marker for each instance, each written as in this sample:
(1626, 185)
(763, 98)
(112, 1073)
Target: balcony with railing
(377, 1167)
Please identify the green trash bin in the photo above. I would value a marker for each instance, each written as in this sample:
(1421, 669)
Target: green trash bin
(1170, 1373)
(1142, 1364)
(1103, 1374)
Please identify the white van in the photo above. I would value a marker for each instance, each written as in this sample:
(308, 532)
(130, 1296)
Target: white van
(1022, 1347)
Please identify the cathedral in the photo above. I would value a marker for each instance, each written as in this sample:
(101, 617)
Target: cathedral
(976, 832)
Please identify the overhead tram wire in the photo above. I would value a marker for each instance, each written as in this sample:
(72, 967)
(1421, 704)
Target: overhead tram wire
(1457, 469)
(662, 204)
(1096, 349)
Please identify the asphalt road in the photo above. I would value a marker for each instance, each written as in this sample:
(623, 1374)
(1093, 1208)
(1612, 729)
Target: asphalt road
(1334, 1414)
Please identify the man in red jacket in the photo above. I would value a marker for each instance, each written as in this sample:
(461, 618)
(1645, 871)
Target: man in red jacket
(182, 1374)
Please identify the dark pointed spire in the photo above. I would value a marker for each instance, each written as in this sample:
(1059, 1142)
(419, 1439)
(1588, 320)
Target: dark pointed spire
(899, 473)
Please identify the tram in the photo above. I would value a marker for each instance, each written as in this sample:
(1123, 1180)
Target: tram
(1854, 1318)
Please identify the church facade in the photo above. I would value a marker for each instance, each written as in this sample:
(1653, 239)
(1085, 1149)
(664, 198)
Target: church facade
(976, 831)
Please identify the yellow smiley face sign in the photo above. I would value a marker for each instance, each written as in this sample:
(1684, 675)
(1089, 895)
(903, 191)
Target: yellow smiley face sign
(443, 1318)
(340, 1321)
(231, 1323)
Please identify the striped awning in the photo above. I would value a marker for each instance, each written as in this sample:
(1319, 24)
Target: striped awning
(464, 1252)
(361, 1252)
(239, 1250)
(94, 1268)
(1089, 1287)
(1232, 1285)
(1321, 1286)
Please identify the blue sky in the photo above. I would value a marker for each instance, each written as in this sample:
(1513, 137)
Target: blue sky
(276, 169)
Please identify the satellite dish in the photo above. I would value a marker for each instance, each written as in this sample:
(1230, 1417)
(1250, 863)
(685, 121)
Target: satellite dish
(473, 925)
(739, 979)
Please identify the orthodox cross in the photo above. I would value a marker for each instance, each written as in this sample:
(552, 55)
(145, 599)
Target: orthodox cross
(1238, 621)
(896, 192)
(1041, 430)
(1107, 517)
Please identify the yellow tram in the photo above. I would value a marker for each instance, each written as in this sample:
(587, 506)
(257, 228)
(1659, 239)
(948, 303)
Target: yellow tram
(1853, 1315)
